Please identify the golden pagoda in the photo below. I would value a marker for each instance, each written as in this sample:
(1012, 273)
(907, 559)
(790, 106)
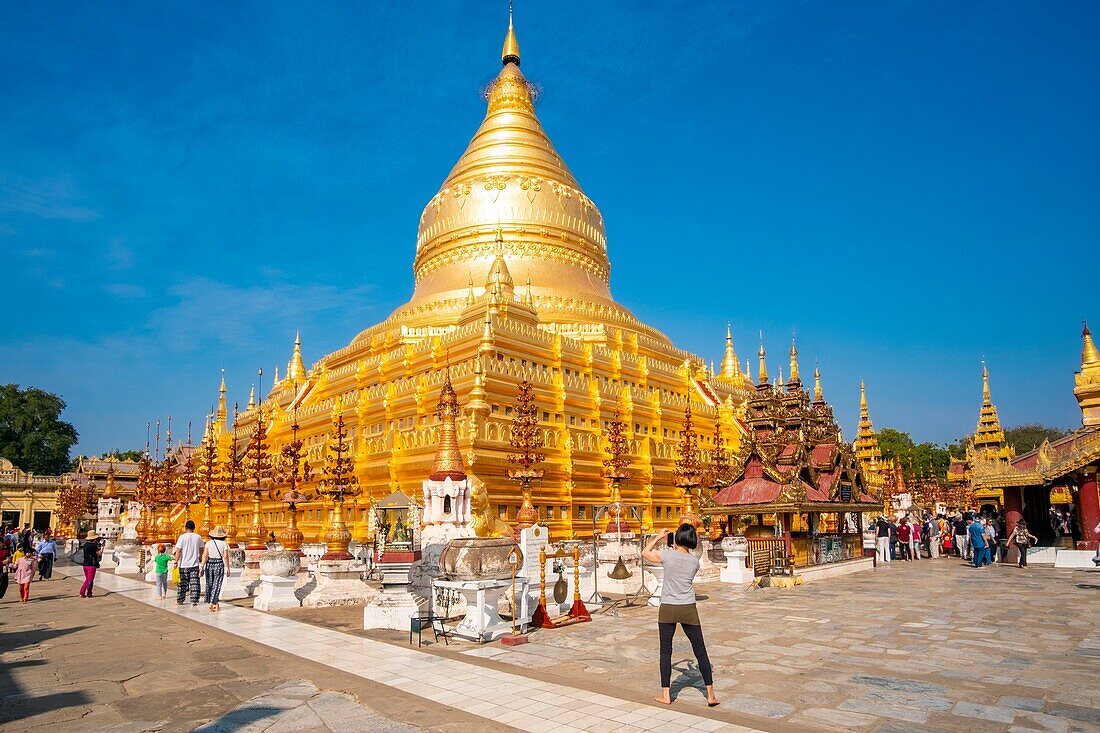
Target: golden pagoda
(1086, 387)
(881, 474)
(987, 444)
(510, 211)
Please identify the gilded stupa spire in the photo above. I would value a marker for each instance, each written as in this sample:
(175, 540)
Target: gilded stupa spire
(251, 398)
(817, 385)
(989, 438)
(296, 369)
(223, 414)
(499, 281)
(866, 443)
(794, 361)
(731, 368)
(1087, 381)
(763, 371)
(510, 53)
(477, 402)
(110, 491)
(448, 458)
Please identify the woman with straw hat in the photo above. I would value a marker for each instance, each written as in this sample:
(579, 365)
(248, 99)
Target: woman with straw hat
(93, 551)
(215, 565)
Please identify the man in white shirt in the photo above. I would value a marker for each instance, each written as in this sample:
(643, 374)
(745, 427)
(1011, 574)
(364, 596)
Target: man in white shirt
(187, 552)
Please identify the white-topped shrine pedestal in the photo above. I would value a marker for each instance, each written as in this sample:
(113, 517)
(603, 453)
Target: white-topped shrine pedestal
(482, 621)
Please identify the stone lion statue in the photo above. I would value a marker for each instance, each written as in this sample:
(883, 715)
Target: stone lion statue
(482, 521)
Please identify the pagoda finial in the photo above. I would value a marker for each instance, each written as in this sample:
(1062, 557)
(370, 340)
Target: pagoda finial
(296, 370)
(470, 299)
(222, 412)
(1087, 381)
(794, 360)
(1089, 354)
(817, 384)
(986, 399)
(448, 458)
(251, 398)
(510, 53)
(862, 399)
(499, 280)
(731, 369)
(763, 373)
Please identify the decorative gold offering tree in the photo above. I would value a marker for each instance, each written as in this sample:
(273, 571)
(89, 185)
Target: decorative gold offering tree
(259, 474)
(291, 472)
(688, 476)
(337, 483)
(230, 483)
(526, 441)
(206, 476)
(615, 466)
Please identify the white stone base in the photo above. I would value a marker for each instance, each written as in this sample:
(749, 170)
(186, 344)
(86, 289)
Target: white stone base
(339, 583)
(1042, 555)
(233, 587)
(834, 569)
(658, 584)
(1072, 559)
(482, 621)
(127, 564)
(391, 610)
(709, 572)
(735, 571)
(275, 593)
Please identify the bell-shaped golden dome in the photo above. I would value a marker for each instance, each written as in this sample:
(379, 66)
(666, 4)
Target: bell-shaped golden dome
(511, 182)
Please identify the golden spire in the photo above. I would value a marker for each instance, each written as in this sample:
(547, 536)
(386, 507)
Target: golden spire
(1089, 355)
(986, 401)
(510, 53)
(499, 281)
(109, 492)
(296, 370)
(222, 412)
(251, 398)
(866, 444)
(731, 369)
(763, 374)
(470, 298)
(817, 385)
(448, 459)
(794, 361)
(487, 333)
(989, 437)
(1087, 381)
(276, 381)
(477, 394)
(528, 298)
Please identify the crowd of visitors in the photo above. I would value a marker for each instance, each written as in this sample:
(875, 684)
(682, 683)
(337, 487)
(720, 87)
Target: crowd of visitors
(24, 552)
(967, 535)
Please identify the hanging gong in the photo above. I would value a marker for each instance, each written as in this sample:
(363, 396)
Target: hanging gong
(561, 588)
(620, 571)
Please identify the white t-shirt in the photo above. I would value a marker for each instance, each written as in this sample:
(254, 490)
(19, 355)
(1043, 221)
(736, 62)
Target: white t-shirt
(216, 549)
(190, 546)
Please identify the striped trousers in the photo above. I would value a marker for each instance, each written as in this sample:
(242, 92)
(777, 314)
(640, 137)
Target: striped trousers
(215, 574)
(189, 585)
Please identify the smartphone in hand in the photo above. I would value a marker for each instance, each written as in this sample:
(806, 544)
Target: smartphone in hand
(670, 539)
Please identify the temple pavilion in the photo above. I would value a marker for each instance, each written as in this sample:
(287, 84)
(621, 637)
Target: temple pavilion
(799, 486)
(1062, 468)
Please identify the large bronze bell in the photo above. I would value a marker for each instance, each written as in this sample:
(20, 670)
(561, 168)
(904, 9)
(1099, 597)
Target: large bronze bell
(620, 571)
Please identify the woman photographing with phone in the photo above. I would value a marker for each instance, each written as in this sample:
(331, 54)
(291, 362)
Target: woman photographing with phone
(678, 604)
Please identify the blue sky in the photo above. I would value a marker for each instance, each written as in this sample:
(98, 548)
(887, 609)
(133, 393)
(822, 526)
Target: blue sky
(909, 186)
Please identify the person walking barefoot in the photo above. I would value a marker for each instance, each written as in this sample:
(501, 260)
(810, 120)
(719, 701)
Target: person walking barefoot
(678, 605)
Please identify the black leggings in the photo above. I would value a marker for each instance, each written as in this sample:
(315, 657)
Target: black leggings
(695, 636)
(1023, 554)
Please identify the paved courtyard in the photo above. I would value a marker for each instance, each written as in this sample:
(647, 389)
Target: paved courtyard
(916, 647)
(932, 645)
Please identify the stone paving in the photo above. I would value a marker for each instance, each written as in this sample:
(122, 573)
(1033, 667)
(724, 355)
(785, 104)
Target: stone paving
(931, 645)
(499, 698)
(109, 665)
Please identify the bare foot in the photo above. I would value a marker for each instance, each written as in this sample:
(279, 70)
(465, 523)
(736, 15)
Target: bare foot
(712, 702)
(664, 700)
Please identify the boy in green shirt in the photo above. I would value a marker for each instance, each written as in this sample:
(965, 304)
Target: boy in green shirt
(162, 559)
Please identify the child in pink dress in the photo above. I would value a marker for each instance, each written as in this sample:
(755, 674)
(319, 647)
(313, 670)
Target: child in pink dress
(25, 562)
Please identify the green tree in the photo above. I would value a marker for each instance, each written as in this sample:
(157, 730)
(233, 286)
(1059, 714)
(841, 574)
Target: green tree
(916, 459)
(32, 434)
(1029, 437)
